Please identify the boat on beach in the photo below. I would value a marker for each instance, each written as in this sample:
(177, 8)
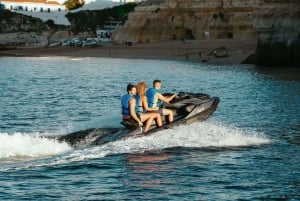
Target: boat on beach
(186, 107)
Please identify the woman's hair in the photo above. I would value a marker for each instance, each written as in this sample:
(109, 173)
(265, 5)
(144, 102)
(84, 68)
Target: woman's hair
(141, 88)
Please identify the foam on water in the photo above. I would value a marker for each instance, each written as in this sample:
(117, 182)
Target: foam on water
(19, 146)
(197, 135)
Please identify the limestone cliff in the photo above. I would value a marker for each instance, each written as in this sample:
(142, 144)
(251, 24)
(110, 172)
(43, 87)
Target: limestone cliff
(277, 23)
(22, 30)
(13, 22)
(170, 19)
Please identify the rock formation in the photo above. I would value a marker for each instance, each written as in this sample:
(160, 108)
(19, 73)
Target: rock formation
(194, 19)
(18, 29)
(277, 23)
(22, 30)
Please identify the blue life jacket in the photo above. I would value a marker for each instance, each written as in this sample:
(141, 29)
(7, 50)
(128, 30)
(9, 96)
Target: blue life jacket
(139, 107)
(150, 94)
(125, 106)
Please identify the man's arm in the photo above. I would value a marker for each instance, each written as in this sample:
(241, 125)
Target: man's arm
(165, 99)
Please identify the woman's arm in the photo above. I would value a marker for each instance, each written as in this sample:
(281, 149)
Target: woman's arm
(132, 111)
(145, 105)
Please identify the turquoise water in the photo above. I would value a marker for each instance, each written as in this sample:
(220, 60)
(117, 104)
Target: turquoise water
(247, 150)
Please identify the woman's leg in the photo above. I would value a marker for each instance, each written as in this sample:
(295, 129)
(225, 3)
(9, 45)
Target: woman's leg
(157, 119)
(169, 114)
(147, 118)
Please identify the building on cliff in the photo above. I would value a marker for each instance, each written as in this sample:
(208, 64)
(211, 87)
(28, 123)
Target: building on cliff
(33, 5)
(42, 9)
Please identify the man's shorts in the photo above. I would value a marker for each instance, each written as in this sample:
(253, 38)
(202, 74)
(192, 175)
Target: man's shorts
(130, 123)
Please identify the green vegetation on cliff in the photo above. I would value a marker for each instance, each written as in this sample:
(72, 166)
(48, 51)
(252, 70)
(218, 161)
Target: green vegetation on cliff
(74, 4)
(90, 20)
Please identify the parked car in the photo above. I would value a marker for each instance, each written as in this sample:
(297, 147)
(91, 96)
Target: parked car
(54, 43)
(75, 42)
(65, 42)
(89, 42)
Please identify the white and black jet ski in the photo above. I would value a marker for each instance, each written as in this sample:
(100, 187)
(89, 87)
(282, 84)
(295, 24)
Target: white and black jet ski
(187, 108)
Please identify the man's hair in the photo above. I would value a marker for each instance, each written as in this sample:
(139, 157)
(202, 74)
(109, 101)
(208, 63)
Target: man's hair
(156, 81)
(130, 86)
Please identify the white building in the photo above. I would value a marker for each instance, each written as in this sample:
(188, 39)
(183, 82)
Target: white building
(33, 5)
(54, 9)
(104, 34)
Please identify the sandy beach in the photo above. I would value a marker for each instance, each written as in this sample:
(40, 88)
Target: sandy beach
(192, 50)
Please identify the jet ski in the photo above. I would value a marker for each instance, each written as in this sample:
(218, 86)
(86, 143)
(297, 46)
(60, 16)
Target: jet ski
(186, 107)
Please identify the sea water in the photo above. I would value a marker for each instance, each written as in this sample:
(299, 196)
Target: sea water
(247, 150)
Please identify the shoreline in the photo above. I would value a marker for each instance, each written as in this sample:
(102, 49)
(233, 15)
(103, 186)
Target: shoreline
(190, 50)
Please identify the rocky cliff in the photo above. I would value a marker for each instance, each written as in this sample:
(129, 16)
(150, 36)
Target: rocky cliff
(13, 22)
(194, 19)
(277, 23)
(18, 29)
(22, 30)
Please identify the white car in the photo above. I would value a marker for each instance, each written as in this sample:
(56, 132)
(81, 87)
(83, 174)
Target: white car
(54, 43)
(89, 42)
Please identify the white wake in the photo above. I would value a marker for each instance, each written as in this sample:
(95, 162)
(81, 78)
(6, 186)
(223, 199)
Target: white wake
(197, 135)
(19, 145)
